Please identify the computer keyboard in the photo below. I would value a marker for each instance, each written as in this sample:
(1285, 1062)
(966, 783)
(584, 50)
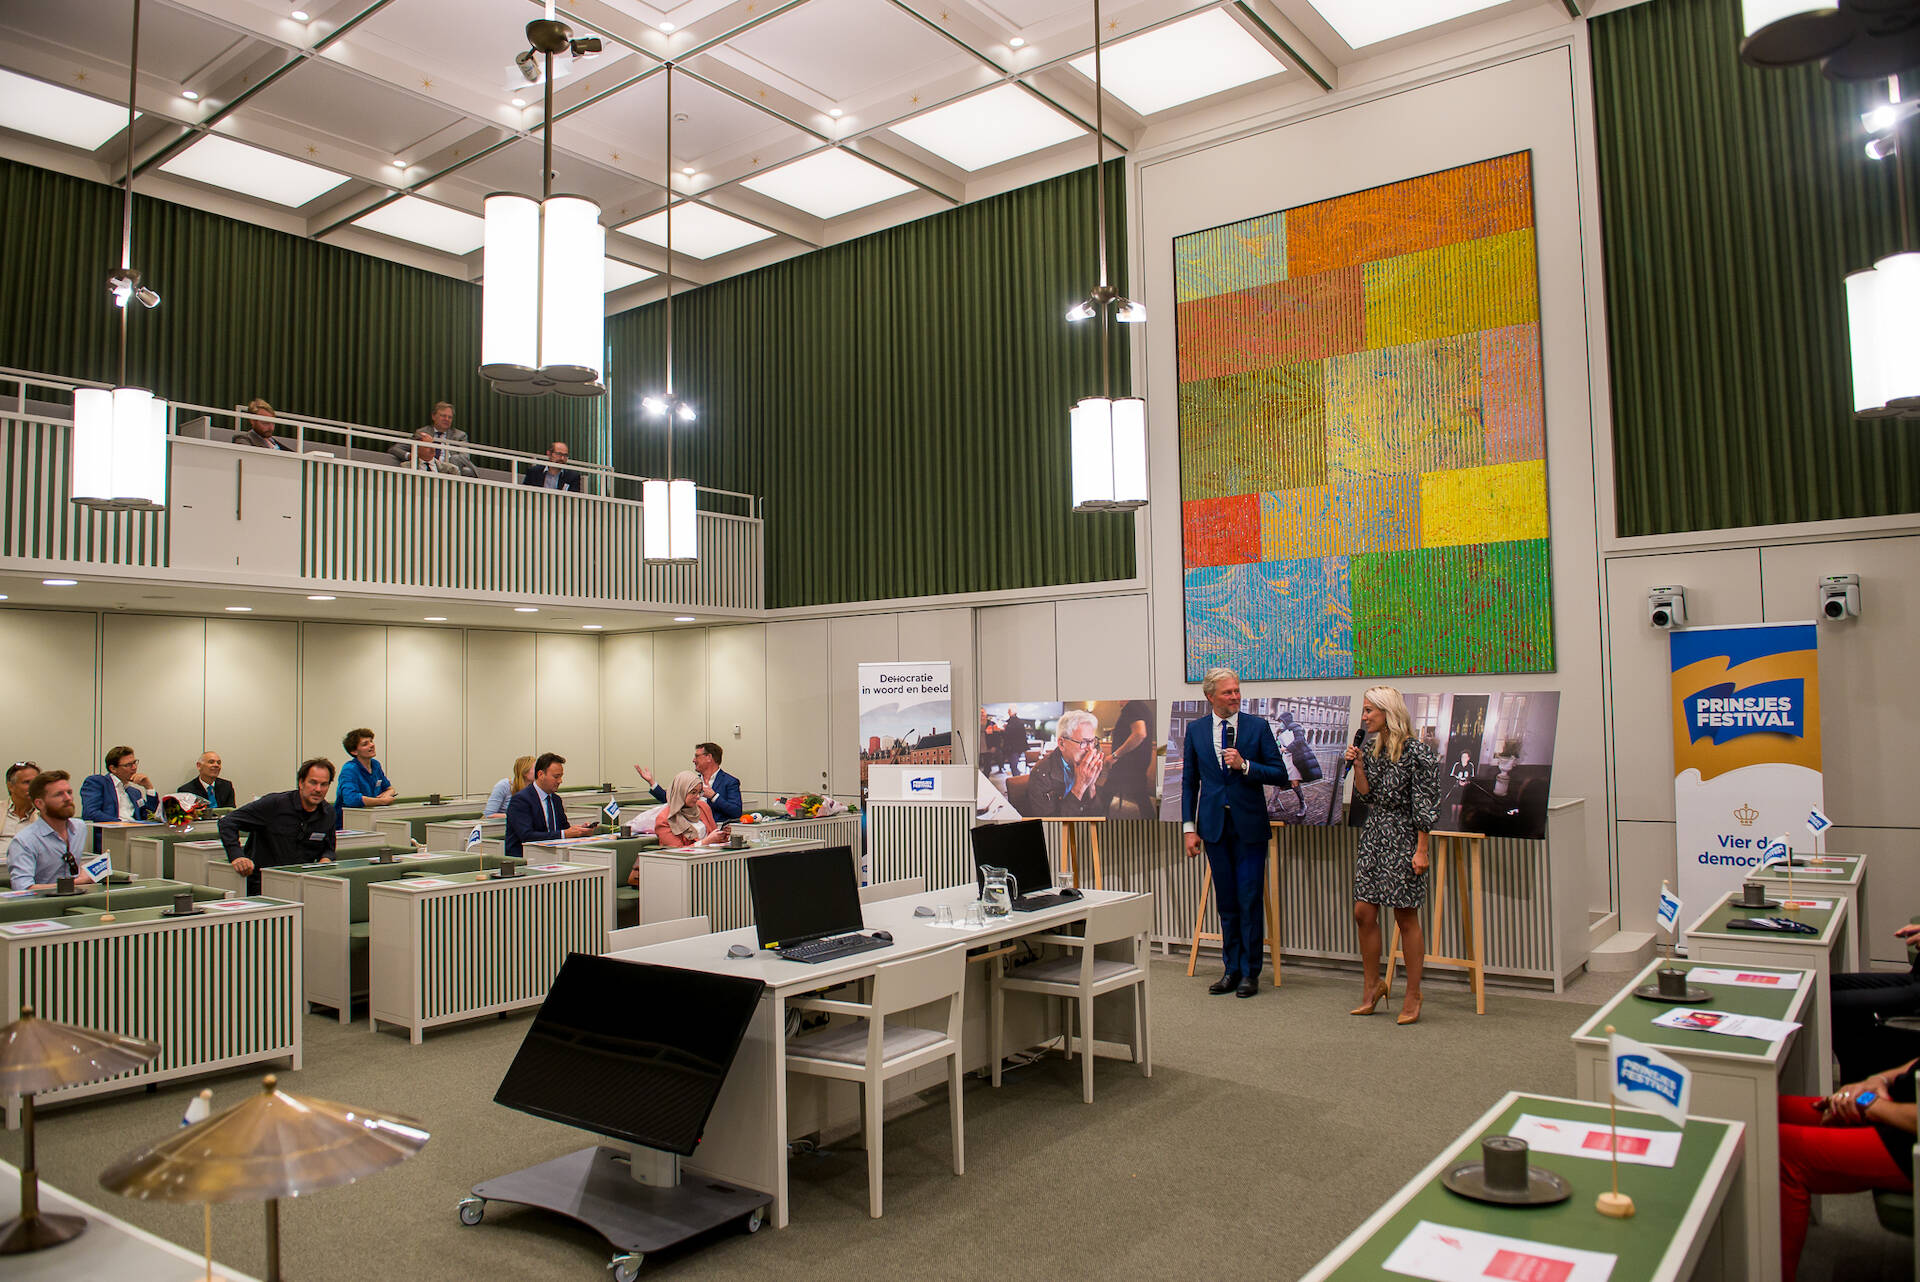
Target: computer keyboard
(1034, 903)
(815, 951)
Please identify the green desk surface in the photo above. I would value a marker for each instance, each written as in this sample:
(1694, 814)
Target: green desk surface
(1831, 870)
(1664, 1197)
(1633, 1017)
(1715, 922)
(159, 912)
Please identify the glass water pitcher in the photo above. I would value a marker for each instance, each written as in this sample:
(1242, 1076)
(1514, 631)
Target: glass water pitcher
(998, 889)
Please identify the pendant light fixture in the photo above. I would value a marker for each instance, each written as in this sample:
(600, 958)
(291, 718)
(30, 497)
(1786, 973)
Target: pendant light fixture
(120, 435)
(1883, 302)
(669, 523)
(1109, 436)
(543, 292)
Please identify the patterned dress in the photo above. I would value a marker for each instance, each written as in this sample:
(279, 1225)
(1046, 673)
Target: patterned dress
(1403, 799)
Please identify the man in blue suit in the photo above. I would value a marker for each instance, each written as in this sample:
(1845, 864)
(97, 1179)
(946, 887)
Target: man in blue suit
(1229, 756)
(120, 795)
(535, 812)
(722, 792)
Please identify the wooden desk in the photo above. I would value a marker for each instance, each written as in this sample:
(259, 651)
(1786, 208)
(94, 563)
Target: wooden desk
(110, 836)
(1828, 877)
(150, 848)
(706, 882)
(1733, 1077)
(204, 863)
(173, 980)
(759, 1111)
(1685, 1221)
(457, 947)
(1709, 940)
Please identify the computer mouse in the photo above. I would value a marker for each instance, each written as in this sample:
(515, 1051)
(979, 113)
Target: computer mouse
(886, 935)
(739, 950)
(1073, 892)
(923, 911)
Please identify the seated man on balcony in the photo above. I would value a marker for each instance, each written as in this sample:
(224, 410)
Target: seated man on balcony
(443, 434)
(556, 475)
(259, 433)
(427, 457)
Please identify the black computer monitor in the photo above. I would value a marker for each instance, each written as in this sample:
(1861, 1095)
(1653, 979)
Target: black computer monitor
(632, 1051)
(804, 894)
(1020, 848)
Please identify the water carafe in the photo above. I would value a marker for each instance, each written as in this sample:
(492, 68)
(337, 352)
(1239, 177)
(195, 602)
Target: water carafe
(998, 889)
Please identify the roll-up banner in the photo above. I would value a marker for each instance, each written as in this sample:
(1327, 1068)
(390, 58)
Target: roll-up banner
(1746, 749)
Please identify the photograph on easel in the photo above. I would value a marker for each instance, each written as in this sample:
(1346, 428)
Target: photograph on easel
(1496, 760)
(1089, 759)
(1311, 731)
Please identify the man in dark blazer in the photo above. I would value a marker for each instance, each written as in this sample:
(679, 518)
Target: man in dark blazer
(535, 812)
(100, 794)
(722, 793)
(557, 475)
(207, 782)
(1229, 755)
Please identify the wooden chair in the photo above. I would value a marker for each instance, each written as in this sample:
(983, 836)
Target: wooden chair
(880, 890)
(1080, 979)
(657, 932)
(872, 1050)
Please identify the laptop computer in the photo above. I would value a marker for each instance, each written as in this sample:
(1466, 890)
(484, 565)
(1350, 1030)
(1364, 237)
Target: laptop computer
(1020, 848)
(806, 905)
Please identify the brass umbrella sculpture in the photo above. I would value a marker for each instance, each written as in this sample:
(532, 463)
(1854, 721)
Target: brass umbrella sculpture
(40, 1055)
(269, 1146)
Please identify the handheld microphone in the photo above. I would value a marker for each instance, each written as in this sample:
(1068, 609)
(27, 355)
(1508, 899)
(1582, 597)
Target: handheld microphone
(1228, 734)
(1360, 737)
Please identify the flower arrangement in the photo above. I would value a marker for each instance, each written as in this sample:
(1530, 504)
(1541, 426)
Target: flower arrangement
(180, 809)
(811, 806)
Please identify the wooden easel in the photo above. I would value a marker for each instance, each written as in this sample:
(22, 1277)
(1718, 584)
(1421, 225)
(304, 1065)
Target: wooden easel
(1475, 962)
(1070, 847)
(1272, 898)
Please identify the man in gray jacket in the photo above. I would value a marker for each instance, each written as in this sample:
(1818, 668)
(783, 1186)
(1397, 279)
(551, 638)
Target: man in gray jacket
(444, 434)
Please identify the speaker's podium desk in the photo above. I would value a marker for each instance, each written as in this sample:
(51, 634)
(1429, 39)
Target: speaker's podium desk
(759, 1110)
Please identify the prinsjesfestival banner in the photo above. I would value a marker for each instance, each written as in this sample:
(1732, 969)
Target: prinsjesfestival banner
(1746, 748)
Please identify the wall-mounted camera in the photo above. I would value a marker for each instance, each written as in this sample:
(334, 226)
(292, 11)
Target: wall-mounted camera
(1667, 607)
(1840, 597)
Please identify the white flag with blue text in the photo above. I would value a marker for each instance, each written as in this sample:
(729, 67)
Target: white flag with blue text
(1644, 1078)
(612, 811)
(474, 835)
(98, 867)
(1668, 914)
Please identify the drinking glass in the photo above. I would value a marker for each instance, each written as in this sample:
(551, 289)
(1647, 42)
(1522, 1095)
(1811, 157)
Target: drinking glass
(943, 917)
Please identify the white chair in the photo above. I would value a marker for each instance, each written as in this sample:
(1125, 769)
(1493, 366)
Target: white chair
(1085, 977)
(656, 932)
(880, 890)
(872, 1051)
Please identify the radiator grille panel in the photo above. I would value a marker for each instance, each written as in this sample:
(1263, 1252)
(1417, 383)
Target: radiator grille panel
(923, 839)
(482, 951)
(720, 893)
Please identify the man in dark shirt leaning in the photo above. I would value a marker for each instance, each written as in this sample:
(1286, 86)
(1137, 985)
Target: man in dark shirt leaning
(283, 827)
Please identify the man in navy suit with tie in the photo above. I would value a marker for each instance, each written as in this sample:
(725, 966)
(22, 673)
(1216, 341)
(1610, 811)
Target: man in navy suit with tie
(1229, 756)
(535, 812)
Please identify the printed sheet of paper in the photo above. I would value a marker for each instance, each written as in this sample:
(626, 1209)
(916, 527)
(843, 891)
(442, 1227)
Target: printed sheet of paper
(1695, 1020)
(1590, 1139)
(427, 883)
(1743, 978)
(1443, 1254)
(1824, 905)
(232, 905)
(41, 927)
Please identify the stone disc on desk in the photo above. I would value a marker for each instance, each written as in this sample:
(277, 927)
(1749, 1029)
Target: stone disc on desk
(191, 912)
(1468, 1179)
(1765, 903)
(1695, 996)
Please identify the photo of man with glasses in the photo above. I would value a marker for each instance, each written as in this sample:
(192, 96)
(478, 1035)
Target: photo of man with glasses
(1065, 783)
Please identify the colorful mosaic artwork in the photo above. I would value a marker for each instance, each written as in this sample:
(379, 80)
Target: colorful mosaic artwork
(1362, 437)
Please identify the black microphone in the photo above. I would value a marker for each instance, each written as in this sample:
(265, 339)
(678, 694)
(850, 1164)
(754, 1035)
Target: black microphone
(1228, 733)
(1360, 736)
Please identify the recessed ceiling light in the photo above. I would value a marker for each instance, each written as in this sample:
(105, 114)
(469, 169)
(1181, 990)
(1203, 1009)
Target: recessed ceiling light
(828, 183)
(191, 95)
(526, 609)
(1180, 62)
(435, 618)
(299, 15)
(1018, 42)
(3, 596)
(666, 26)
(399, 163)
(222, 162)
(323, 598)
(619, 275)
(1364, 22)
(686, 169)
(239, 609)
(452, 231)
(697, 230)
(684, 618)
(59, 583)
(45, 110)
(585, 627)
(988, 128)
(834, 112)
(519, 102)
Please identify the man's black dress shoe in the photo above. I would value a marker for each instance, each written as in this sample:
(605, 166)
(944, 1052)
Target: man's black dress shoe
(1224, 984)
(1248, 987)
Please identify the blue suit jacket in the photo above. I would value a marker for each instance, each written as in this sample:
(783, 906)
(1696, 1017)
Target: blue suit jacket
(527, 821)
(725, 805)
(1208, 792)
(97, 804)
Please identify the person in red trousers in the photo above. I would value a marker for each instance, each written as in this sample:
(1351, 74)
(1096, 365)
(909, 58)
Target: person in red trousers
(1856, 1139)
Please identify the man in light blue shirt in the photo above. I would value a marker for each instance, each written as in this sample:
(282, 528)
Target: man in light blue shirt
(363, 782)
(53, 845)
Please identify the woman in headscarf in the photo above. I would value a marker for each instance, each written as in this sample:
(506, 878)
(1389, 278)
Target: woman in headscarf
(685, 819)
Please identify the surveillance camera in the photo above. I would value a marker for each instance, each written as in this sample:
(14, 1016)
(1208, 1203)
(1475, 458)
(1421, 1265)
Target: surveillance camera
(529, 68)
(1840, 597)
(1667, 607)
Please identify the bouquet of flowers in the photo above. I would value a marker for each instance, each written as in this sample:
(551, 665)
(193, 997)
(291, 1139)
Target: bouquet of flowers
(181, 808)
(811, 806)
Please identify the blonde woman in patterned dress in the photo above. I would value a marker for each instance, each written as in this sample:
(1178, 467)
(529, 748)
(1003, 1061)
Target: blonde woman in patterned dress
(1399, 775)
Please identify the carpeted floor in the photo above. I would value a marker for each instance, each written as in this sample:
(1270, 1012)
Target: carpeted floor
(1269, 1130)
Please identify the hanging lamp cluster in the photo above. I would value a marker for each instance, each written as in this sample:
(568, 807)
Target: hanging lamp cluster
(120, 434)
(1108, 434)
(1850, 39)
(1883, 302)
(669, 517)
(543, 292)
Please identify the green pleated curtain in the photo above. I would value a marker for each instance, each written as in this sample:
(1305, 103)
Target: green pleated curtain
(1734, 202)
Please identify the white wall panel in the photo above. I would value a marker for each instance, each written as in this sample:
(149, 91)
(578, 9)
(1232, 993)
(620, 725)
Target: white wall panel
(1101, 647)
(852, 641)
(567, 710)
(798, 751)
(1646, 859)
(737, 696)
(680, 699)
(1018, 653)
(253, 680)
(500, 696)
(426, 711)
(948, 634)
(343, 685)
(51, 696)
(153, 692)
(626, 684)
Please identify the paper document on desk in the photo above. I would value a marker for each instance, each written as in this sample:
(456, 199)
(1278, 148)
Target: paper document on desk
(1787, 981)
(1824, 905)
(1461, 1255)
(41, 927)
(1694, 1020)
(1589, 1139)
(232, 905)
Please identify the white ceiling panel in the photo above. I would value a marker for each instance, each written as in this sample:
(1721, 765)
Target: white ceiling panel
(841, 49)
(716, 124)
(516, 168)
(473, 43)
(619, 275)
(451, 231)
(45, 110)
(328, 100)
(698, 231)
(252, 171)
(828, 183)
(1196, 57)
(988, 128)
(173, 43)
(1367, 22)
(1021, 15)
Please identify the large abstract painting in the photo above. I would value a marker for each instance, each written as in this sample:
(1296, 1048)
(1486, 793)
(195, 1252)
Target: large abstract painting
(1362, 438)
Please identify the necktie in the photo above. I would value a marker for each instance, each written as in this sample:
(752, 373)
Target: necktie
(553, 820)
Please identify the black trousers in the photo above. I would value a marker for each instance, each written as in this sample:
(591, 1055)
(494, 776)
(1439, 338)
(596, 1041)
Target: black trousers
(1860, 1000)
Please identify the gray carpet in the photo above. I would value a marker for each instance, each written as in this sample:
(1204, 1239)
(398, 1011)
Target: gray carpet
(1269, 1130)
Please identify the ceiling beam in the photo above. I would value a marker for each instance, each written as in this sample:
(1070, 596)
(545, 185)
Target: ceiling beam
(1268, 23)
